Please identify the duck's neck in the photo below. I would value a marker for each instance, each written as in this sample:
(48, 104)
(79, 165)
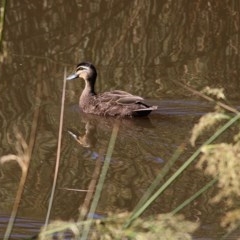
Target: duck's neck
(88, 90)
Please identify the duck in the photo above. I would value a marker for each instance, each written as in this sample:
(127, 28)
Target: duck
(116, 103)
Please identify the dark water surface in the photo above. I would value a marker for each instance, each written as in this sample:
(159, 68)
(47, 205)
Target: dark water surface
(138, 46)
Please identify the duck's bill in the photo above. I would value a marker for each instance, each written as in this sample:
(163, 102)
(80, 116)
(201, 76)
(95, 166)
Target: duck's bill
(72, 76)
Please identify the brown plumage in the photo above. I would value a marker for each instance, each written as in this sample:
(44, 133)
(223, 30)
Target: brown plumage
(115, 103)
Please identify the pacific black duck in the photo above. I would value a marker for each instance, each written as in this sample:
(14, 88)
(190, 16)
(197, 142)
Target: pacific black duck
(114, 103)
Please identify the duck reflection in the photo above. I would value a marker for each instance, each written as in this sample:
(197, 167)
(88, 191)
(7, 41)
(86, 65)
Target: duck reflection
(88, 139)
(99, 126)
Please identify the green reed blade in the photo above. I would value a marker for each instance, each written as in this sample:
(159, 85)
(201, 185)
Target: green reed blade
(181, 169)
(159, 178)
(194, 196)
(101, 180)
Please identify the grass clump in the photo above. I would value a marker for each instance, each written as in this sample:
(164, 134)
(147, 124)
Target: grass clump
(222, 160)
(160, 227)
(206, 122)
(218, 93)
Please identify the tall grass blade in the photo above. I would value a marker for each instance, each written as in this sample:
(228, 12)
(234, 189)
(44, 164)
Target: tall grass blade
(24, 164)
(101, 179)
(194, 196)
(218, 103)
(180, 170)
(91, 188)
(159, 178)
(58, 150)
(2, 20)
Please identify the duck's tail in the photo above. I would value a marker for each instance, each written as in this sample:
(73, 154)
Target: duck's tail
(144, 111)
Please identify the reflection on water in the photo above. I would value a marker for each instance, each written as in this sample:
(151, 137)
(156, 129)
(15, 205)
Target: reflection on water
(138, 46)
(25, 227)
(143, 146)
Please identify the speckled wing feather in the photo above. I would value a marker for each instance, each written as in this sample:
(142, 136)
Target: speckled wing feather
(119, 97)
(129, 100)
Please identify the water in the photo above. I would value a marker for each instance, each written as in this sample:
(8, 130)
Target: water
(137, 46)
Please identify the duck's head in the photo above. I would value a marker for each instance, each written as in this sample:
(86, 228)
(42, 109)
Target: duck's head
(86, 71)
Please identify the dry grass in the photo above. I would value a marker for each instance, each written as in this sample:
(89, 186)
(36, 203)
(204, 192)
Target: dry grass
(160, 227)
(222, 160)
(205, 123)
(215, 92)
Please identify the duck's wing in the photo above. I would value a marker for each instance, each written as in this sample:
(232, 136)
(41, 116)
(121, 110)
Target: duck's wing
(120, 93)
(129, 100)
(120, 97)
